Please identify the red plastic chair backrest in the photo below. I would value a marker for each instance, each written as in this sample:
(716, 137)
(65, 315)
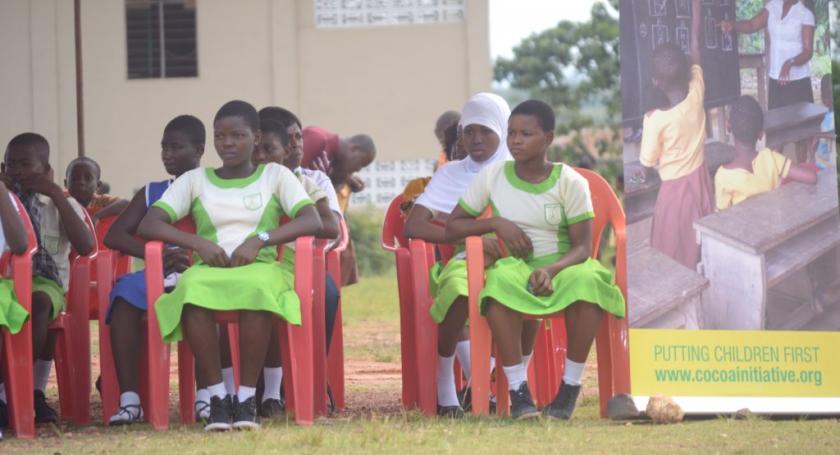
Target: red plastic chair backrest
(392, 229)
(102, 228)
(31, 241)
(605, 204)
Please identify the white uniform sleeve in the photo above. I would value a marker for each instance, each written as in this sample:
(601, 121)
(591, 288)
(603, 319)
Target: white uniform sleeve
(178, 198)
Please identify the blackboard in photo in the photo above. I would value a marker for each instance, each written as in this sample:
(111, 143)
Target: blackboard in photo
(646, 24)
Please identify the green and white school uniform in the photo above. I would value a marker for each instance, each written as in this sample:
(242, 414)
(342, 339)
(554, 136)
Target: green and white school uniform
(12, 314)
(544, 211)
(315, 193)
(227, 212)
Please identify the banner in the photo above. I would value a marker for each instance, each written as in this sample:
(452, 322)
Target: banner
(731, 198)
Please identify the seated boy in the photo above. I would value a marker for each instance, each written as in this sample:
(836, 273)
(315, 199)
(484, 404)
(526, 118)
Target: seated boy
(753, 172)
(82, 181)
(59, 225)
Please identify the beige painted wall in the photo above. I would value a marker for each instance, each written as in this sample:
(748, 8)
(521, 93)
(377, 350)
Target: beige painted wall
(390, 82)
(37, 79)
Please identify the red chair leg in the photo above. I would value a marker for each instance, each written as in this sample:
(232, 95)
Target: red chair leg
(426, 348)
(235, 358)
(479, 331)
(19, 381)
(77, 332)
(319, 330)
(64, 374)
(157, 350)
(335, 362)
(407, 334)
(186, 382)
(108, 384)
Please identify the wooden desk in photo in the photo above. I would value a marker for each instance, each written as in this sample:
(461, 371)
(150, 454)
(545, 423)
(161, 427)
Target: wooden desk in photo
(756, 244)
(792, 124)
(640, 196)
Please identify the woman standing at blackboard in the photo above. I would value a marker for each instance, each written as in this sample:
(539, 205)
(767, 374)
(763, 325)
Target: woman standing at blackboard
(673, 138)
(790, 25)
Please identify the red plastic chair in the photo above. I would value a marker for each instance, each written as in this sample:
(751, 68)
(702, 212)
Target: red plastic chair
(419, 357)
(17, 349)
(392, 240)
(612, 338)
(296, 344)
(72, 356)
(335, 359)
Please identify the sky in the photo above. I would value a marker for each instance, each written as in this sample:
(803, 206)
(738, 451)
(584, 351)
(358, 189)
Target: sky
(513, 20)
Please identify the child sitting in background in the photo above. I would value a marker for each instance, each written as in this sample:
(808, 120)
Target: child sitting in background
(753, 172)
(12, 315)
(82, 181)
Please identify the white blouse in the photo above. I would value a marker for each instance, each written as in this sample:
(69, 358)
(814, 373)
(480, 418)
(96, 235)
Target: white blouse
(786, 38)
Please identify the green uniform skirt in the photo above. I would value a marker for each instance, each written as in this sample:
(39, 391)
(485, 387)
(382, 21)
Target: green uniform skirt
(446, 284)
(12, 315)
(53, 291)
(507, 283)
(259, 286)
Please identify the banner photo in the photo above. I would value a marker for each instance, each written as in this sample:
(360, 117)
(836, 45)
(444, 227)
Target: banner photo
(731, 199)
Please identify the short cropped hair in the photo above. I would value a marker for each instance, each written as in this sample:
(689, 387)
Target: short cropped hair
(670, 65)
(365, 144)
(276, 128)
(84, 160)
(190, 126)
(278, 114)
(746, 119)
(242, 109)
(32, 139)
(539, 109)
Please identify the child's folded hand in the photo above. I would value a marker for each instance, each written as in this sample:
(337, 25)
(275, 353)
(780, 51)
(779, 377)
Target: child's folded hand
(539, 282)
(246, 253)
(514, 238)
(492, 252)
(175, 260)
(212, 254)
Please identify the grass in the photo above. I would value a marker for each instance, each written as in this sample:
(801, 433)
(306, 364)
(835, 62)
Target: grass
(372, 335)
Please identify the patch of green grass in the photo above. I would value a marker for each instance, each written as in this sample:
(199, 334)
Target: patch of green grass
(373, 300)
(410, 433)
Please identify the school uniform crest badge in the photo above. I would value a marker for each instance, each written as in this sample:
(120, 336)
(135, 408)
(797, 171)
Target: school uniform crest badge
(252, 201)
(554, 213)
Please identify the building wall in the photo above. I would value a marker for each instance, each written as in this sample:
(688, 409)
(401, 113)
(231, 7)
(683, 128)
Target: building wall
(388, 81)
(37, 76)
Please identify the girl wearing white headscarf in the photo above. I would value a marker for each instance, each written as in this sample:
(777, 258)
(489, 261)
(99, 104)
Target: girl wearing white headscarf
(484, 120)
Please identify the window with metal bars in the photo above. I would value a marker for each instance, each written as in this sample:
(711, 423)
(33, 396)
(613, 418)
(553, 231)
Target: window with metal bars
(161, 38)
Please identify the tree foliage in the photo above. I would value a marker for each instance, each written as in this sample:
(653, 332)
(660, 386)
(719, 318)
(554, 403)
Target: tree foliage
(569, 66)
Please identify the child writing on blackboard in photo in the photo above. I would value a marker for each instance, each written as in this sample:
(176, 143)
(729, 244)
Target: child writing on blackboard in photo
(673, 138)
(753, 172)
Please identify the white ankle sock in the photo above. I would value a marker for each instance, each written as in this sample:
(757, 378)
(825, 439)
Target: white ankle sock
(516, 375)
(129, 398)
(573, 372)
(462, 351)
(446, 393)
(2, 392)
(246, 392)
(42, 374)
(217, 390)
(492, 363)
(230, 382)
(202, 395)
(526, 359)
(273, 377)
